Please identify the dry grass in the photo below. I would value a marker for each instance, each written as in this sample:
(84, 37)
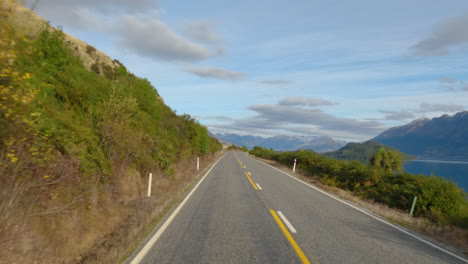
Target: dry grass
(118, 244)
(103, 227)
(450, 235)
(30, 24)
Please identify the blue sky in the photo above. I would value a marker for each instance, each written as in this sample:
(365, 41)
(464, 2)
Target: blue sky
(346, 69)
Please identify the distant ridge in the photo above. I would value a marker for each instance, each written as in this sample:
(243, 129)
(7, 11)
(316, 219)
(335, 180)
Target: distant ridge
(284, 143)
(444, 137)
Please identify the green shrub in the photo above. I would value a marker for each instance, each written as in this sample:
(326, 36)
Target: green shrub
(438, 199)
(103, 123)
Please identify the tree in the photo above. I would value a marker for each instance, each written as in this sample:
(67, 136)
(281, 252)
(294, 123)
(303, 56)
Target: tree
(388, 160)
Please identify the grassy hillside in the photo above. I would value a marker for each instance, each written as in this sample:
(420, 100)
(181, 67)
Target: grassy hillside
(76, 145)
(362, 152)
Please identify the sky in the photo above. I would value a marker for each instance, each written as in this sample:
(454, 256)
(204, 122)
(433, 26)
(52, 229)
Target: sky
(345, 69)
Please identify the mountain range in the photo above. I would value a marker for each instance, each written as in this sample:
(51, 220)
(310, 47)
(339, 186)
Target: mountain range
(444, 137)
(283, 143)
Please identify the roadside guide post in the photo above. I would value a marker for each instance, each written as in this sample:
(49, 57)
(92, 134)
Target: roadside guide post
(149, 184)
(198, 164)
(294, 166)
(413, 205)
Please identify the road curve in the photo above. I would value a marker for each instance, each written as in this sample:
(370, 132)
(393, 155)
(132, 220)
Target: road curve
(245, 211)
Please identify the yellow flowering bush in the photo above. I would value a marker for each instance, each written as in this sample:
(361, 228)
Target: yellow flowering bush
(19, 131)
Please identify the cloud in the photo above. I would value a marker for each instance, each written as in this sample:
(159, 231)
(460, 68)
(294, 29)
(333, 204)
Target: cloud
(275, 82)
(273, 119)
(152, 38)
(201, 31)
(453, 85)
(132, 24)
(447, 80)
(99, 6)
(86, 14)
(295, 115)
(394, 115)
(217, 118)
(304, 101)
(216, 73)
(430, 108)
(423, 108)
(449, 34)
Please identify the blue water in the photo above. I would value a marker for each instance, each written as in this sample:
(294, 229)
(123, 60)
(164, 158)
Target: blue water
(457, 171)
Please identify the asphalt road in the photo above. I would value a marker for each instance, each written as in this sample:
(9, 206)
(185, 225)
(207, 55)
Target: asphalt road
(245, 211)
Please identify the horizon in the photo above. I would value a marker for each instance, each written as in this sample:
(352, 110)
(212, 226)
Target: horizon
(347, 71)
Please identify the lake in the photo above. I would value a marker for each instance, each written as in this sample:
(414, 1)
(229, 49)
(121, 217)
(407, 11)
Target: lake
(452, 170)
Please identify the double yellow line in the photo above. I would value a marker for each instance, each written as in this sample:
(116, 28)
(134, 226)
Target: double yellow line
(251, 181)
(246, 174)
(280, 223)
(238, 161)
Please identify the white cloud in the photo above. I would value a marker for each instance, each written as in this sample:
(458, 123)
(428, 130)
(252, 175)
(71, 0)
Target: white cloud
(201, 31)
(397, 115)
(133, 24)
(99, 6)
(216, 73)
(278, 118)
(304, 101)
(431, 108)
(275, 82)
(152, 38)
(447, 35)
(447, 80)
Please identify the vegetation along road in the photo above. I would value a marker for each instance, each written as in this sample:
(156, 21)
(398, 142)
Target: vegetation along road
(244, 211)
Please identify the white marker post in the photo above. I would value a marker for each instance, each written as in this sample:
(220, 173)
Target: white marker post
(413, 205)
(294, 167)
(149, 184)
(198, 164)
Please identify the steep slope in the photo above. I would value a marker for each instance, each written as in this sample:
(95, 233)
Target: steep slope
(441, 137)
(284, 143)
(26, 22)
(361, 151)
(77, 142)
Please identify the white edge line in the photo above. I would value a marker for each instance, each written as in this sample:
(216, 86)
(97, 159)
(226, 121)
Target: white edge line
(139, 257)
(258, 185)
(376, 218)
(286, 221)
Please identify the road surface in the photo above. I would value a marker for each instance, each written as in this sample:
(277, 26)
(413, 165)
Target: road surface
(244, 211)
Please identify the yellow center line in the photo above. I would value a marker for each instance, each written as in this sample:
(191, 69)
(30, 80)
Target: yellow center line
(238, 161)
(250, 180)
(290, 238)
